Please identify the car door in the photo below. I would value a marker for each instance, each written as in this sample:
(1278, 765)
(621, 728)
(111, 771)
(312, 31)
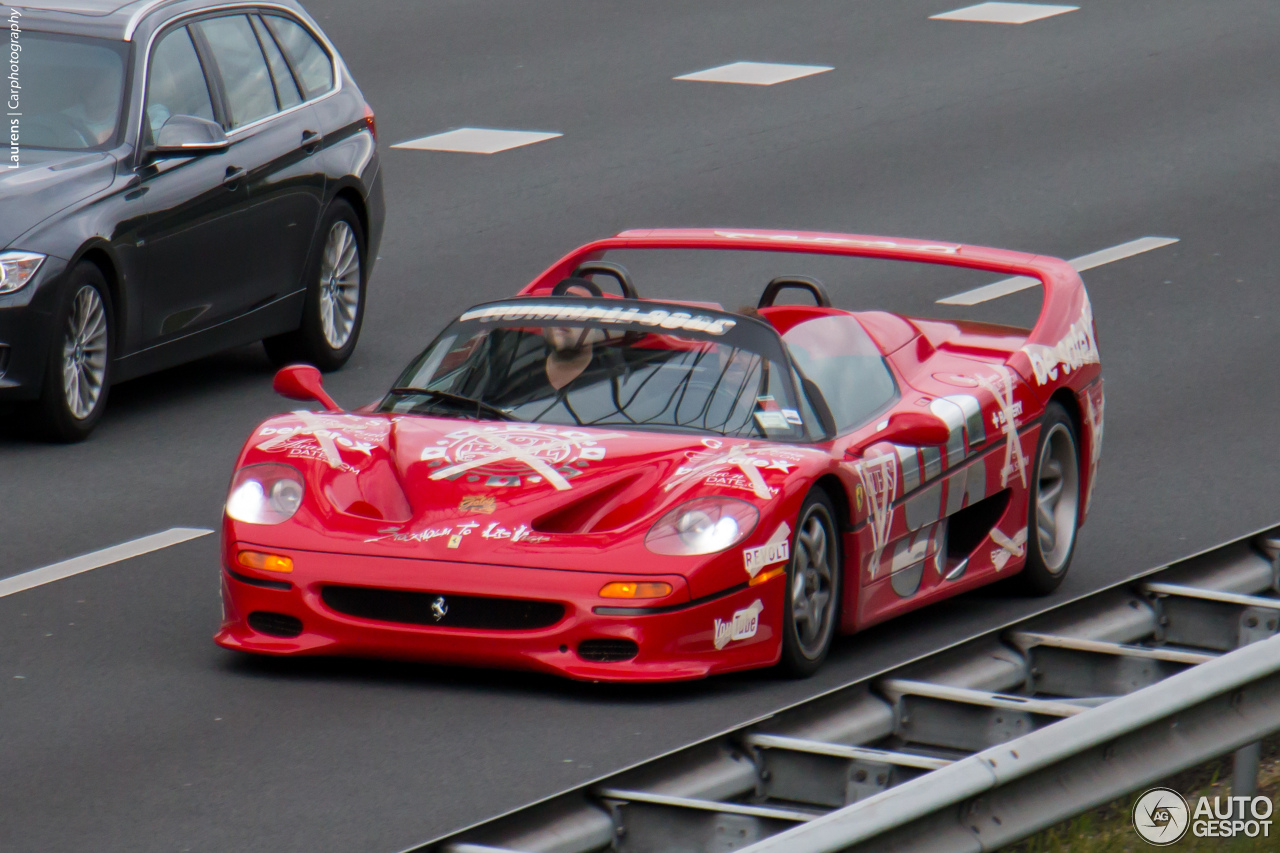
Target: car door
(193, 208)
(276, 136)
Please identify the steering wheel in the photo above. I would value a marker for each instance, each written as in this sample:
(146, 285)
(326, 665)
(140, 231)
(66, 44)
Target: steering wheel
(60, 126)
(794, 282)
(617, 271)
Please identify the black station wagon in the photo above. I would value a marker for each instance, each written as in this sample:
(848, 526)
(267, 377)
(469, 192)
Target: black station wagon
(181, 176)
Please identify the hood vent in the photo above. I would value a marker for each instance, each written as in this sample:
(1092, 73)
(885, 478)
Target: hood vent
(585, 514)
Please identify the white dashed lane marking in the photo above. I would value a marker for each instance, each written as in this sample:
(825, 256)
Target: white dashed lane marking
(1004, 13)
(98, 559)
(755, 73)
(1085, 262)
(477, 140)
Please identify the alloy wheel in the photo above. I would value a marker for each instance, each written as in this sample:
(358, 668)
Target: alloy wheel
(84, 353)
(813, 604)
(339, 284)
(1057, 498)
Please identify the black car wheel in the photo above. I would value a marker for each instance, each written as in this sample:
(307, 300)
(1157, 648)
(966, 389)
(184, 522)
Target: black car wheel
(334, 307)
(812, 606)
(1053, 511)
(78, 375)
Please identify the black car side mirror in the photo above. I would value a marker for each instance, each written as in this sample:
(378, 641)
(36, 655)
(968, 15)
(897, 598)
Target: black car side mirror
(186, 135)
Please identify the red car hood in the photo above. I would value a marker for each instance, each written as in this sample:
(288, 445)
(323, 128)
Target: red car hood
(512, 493)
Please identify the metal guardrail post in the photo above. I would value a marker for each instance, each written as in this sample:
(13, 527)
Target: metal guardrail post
(1248, 759)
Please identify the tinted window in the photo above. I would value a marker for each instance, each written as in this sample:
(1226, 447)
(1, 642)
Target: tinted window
(177, 84)
(245, 79)
(309, 59)
(286, 89)
(70, 95)
(842, 360)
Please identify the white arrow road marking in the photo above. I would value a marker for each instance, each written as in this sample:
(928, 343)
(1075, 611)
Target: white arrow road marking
(98, 559)
(1085, 262)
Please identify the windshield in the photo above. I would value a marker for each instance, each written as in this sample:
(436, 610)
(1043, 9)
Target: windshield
(615, 363)
(71, 91)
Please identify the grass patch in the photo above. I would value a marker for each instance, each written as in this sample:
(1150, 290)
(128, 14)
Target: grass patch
(1108, 829)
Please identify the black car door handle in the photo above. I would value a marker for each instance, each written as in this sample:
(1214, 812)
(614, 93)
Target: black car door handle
(232, 180)
(310, 141)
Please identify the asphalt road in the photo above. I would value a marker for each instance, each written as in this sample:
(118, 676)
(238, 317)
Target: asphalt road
(122, 727)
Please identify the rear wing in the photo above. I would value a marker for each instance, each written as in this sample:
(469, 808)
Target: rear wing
(1061, 341)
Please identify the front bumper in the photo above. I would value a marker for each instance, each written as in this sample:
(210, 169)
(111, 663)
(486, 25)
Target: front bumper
(26, 330)
(683, 641)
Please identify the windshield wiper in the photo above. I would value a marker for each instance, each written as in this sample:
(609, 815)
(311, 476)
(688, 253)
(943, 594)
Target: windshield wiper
(459, 400)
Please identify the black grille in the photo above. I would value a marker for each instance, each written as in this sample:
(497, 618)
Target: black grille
(607, 651)
(454, 611)
(275, 624)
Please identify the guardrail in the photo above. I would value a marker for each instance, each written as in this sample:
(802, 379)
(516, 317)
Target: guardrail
(968, 749)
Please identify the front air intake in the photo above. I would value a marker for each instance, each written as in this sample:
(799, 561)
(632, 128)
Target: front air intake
(607, 651)
(275, 624)
(442, 609)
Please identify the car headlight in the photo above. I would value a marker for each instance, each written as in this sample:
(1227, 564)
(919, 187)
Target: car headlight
(702, 526)
(17, 268)
(269, 493)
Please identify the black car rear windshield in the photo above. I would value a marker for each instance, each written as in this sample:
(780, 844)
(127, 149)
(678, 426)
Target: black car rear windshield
(71, 91)
(610, 362)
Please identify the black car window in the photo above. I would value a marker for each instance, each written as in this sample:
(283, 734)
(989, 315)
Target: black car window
(177, 85)
(286, 87)
(837, 355)
(311, 62)
(242, 68)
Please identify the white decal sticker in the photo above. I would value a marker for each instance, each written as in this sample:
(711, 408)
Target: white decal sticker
(1077, 348)
(704, 463)
(657, 318)
(742, 626)
(792, 416)
(879, 476)
(772, 420)
(1001, 387)
(324, 437)
(521, 533)
(511, 455)
(1009, 548)
(1095, 416)
(776, 550)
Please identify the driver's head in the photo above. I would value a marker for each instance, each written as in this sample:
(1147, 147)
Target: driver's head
(572, 340)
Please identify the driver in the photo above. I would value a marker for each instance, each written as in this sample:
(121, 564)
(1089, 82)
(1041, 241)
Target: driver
(571, 347)
(94, 112)
(571, 351)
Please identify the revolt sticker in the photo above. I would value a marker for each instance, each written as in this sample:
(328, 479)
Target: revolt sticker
(776, 550)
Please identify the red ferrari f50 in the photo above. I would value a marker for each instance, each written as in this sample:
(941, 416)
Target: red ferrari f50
(617, 488)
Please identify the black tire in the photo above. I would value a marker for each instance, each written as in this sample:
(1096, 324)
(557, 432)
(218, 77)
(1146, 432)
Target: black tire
(64, 412)
(1055, 483)
(309, 342)
(803, 657)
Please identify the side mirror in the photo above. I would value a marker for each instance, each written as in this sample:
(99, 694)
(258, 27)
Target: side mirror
(913, 428)
(186, 135)
(302, 382)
